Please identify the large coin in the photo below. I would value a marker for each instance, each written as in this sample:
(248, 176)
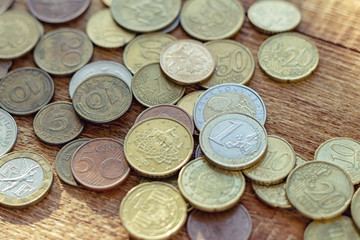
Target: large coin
(4, 67)
(8, 132)
(5, 4)
(188, 101)
(355, 208)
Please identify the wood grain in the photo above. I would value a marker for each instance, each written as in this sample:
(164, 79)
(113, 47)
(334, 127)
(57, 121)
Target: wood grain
(306, 114)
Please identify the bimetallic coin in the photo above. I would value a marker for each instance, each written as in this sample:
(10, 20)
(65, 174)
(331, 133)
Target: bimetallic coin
(25, 179)
(5, 4)
(8, 132)
(188, 101)
(273, 195)
(153, 211)
(172, 26)
(319, 190)
(4, 67)
(198, 152)
(300, 160)
(355, 208)
(57, 123)
(288, 57)
(26, 90)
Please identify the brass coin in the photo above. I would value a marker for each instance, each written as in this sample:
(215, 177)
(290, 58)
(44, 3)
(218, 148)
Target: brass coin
(319, 190)
(57, 123)
(355, 208)
(25, 179)
(273, 195)
(26, 90)
(102, 98)
(300, 160)
(107, 2)
(288, 57)
(198, 152)
(188, 101)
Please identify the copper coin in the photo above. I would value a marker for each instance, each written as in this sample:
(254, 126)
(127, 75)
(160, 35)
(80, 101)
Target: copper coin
(5, 4)
(4, 67)
(198, 152)
(234, 224)
(167, 110)
(100, 164)
(55, 11)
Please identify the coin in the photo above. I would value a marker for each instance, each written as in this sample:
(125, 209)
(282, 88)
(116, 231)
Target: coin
(25, 179)
(100, 164)
(276, 164)
(355, 208)
(63, 51)
(209, 188)
(158, 147)
(107, 2)
(102, 98)
(57, 123)
(4, 67)
(150, 87)
(153, 211)
(228, 97)
(288, 57)
(5, 4)
(300, 160)
(212, 20)
(234, 224)
(8, 132)
(172, 26)
(343, 152)
(26, 90)
(63, 161)
(198, 152)
(104, 32)
(187, 62)
(319, 190)
(54, 11)
(145, 15)
(273, 195)
(234, 63)
(188, 101)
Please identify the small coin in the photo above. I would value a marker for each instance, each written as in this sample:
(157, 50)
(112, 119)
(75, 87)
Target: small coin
(102, 98)
(234, 224)
(145, 49)
(355, 208)
(188, 101)
(288, 57)
(4, 67)
(273, 195)
(198, 152)
(300, 160)
(63, 51)
(26, 90)
(5, 4)
(319, 190)
(57, 123)
(161, 215)
(172, 26)
(187, 62)
(25, 179)
(212, 20)
(8, 130)
(158, 147)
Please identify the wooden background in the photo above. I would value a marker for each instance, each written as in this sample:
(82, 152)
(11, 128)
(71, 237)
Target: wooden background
(306, 114)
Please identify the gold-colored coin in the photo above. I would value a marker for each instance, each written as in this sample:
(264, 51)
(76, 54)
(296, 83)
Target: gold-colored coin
(288, 57)
(212, 20)
(25, 179)
(343, 152)
(277, 163)
(153, 211)
(150, 87)
(273, 195)
(145, 49)
(355, 208)
(188, 101)
(234, 63)
(319, 190)
(158, 147)
(104, 32)
(107, 2)
(300, 160)
(210, 188)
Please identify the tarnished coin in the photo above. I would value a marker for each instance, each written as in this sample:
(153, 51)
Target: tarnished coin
(228, 97)
(145, 15)
(26, 90)
(63, 51)
(102, 98)
(153, 211)
(355, 208)
(234, 224)
(212, 20)
(273, 195)
(210, 188)
(5, 4)
(172, 26)
(198, 152)
(300, 160)
(25, 179)
(158, 147)
(100, 164)
(57, 123)
(150, 87)
(187, 62)
(4, 67)
(319, 190)
(145, 49)
(8, 132)
(288, 57)
(188, 101)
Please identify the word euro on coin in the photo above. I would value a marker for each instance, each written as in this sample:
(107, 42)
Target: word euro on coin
(8, 132)
(355, 208)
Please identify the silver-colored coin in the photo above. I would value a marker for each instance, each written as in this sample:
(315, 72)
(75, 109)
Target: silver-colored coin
(228, 97)
(4, 67)
(172, 26)
(8, 132)
(95, 68)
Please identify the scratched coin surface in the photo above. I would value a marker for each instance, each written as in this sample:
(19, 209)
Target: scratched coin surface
(4, 67)
(235, 224)
(273, 195)
(228, 97)
(209, 188)
(5, 4)
(288, 57)
(319, 190)
(188, 101)
(26, 90)
(63, 51)
(343, 152)
(153, 211)
(355, 208)
(158, 147)
(57, 123)
(8, 132)
(25, 179)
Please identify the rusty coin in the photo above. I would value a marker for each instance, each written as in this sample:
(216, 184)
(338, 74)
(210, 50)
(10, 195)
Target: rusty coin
(4, 67)
(198, 152)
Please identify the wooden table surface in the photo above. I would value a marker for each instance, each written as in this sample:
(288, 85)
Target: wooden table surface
(307, 113)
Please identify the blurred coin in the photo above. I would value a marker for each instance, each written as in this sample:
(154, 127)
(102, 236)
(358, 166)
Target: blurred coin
(273, 195)
(107, 2)
(4, 67)
(188, 101)
(300, 160)
(355, 208)
(8, 132)
(172, 26)
(198, 152)
(5, 4)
